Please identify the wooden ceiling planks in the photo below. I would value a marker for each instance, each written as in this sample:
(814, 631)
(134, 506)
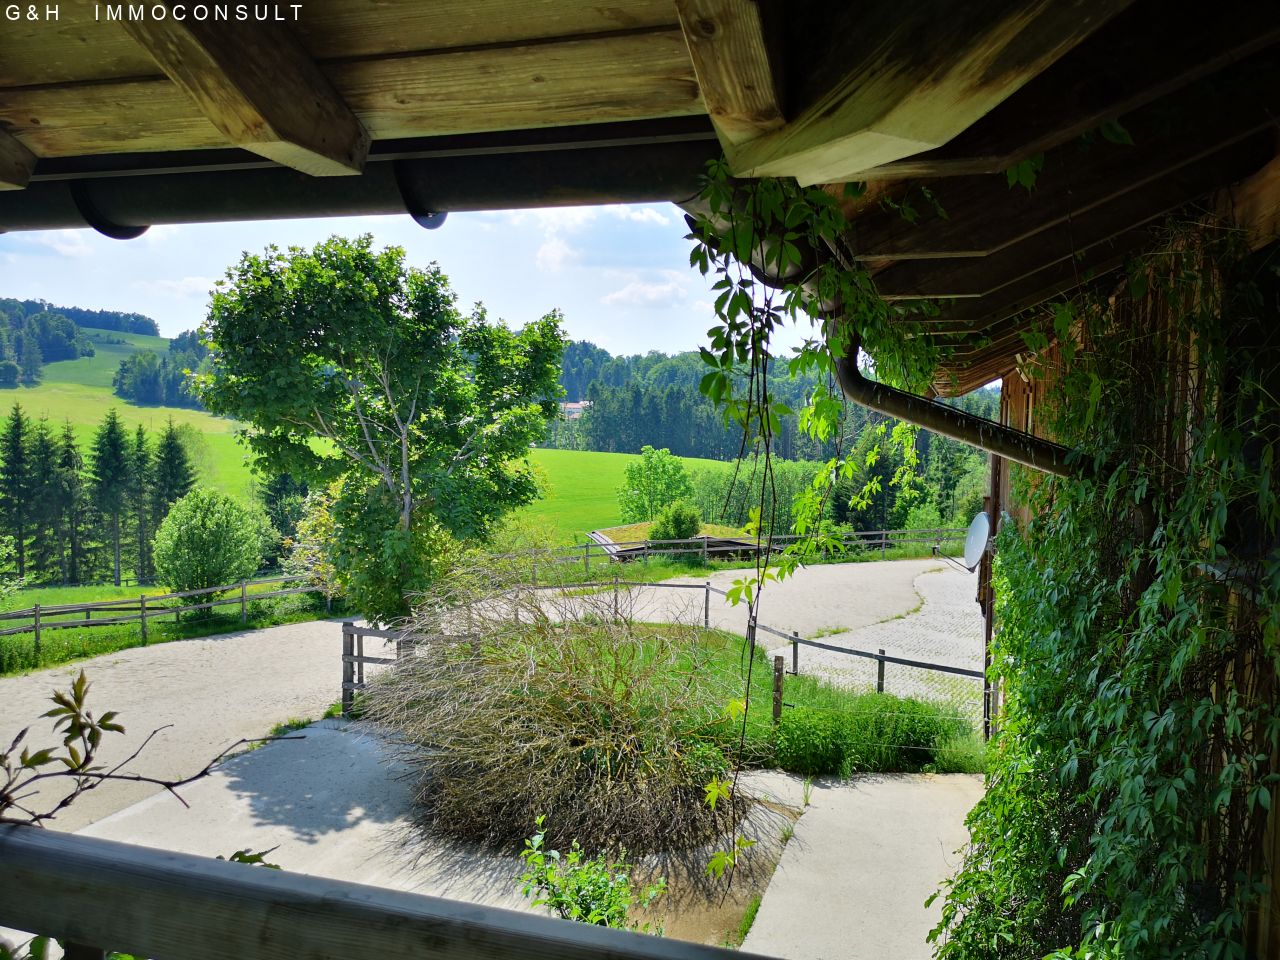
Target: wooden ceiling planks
(615, 77)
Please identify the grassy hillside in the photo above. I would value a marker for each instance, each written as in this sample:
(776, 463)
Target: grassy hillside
(80, 391)
(582, 489)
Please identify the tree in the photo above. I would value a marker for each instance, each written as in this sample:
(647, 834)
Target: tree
(209, 540)
(139, 502)
(29, 357)
(44, 489)
(74, 508)
(172, 475)
(653, 482)
(109, 481)
(426, 415)
(15, 484)
(9, 373)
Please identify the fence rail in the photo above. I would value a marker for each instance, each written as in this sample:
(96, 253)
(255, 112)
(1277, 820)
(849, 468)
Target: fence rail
(354, 659)
(100, 895)
(144, 607)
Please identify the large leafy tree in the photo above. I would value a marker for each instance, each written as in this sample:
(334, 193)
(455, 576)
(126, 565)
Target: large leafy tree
(425, 414)
(653, 482)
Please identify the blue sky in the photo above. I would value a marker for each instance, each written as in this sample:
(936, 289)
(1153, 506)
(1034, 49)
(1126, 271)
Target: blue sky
(619, 274)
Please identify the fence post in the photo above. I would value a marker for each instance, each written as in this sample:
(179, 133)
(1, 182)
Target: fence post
(36, 611)
(244, 609)
(328, 603)
(706, 607)
(779, 668)
(142, 617)
(348, 668)
(795, 653)
(704, 550)
(586, 557)
(880, 672)
(884, 542)
(615, 599)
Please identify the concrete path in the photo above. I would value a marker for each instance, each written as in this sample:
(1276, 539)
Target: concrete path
(206, 694)
(865, 856)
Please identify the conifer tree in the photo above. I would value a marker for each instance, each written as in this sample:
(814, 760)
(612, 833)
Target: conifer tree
(74, 508)
(15, 484)
(44, 507)
(109, 482)
(139, 502)
(172, 476)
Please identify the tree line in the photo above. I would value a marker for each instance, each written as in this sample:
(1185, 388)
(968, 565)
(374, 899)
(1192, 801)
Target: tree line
(116, 320)
(29, 341)
(69, 516)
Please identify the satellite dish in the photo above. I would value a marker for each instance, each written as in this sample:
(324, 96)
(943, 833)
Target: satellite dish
(975, 541)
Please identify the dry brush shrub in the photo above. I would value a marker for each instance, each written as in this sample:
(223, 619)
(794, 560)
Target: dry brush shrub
(519, 703)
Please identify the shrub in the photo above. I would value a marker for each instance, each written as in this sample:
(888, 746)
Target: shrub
(811, 741)
(594, 890)
(520, 704)
(676, 522)
(652, 482)
(209, 540)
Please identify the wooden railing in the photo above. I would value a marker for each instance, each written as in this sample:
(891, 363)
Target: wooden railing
(142, 608)
(100, 895)
(724, 547)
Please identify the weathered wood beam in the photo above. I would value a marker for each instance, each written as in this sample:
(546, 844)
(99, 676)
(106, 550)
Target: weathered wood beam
(881, 81)
(984, 215)
(1148, 51)
(731, 59)
(981, 276)
(258, 86)
(16, 162)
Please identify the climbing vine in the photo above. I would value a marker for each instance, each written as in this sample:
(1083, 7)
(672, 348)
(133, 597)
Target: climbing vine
(1138, 614)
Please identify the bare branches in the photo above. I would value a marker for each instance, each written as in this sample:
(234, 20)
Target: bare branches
(76, 764)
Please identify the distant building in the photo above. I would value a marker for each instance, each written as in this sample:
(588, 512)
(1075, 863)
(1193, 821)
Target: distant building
(572, 410)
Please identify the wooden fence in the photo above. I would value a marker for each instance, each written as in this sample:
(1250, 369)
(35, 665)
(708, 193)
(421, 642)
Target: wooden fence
(99, 895)
(354, 659)
(141, 609)
(718, 547)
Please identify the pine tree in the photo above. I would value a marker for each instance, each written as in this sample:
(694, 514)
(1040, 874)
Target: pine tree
(74, 516)
(30, 358)
(109, 482)
(45, 508)
(15, 484)
(172, 476)
(139, 502)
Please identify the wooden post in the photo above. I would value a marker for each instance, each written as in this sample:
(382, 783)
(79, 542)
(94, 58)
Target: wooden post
(36, 611)
(586, 557)
(704, 550)
(706, 607)
(779, 668)
(795, 653)
(142, 616)
(348, 668)
(328, 603)
(244, 609)
(880, 672)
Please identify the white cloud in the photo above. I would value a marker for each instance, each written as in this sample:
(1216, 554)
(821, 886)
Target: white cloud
(554, 220)
(66, 243)
(638, 214)
(186, 287)
(554, 255)
(641, 294)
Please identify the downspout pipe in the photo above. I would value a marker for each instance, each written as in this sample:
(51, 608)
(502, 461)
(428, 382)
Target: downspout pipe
(939, 418)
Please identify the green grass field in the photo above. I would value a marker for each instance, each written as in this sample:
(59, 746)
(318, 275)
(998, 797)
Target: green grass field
(582, 489)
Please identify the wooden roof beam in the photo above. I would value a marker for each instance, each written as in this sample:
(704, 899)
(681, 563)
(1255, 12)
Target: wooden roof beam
(259, 87)
(978, 277)
(16, 162)
(983, 215)
(1148, 51)
(877, 82)
(737, 78)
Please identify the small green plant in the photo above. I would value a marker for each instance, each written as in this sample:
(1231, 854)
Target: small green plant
(962, 754)
(811, 741)
(748, 918)
(596, 890)
(679, 521)
(808, 790)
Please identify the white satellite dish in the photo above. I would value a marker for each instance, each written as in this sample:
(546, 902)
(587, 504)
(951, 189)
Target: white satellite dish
(975, 541)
